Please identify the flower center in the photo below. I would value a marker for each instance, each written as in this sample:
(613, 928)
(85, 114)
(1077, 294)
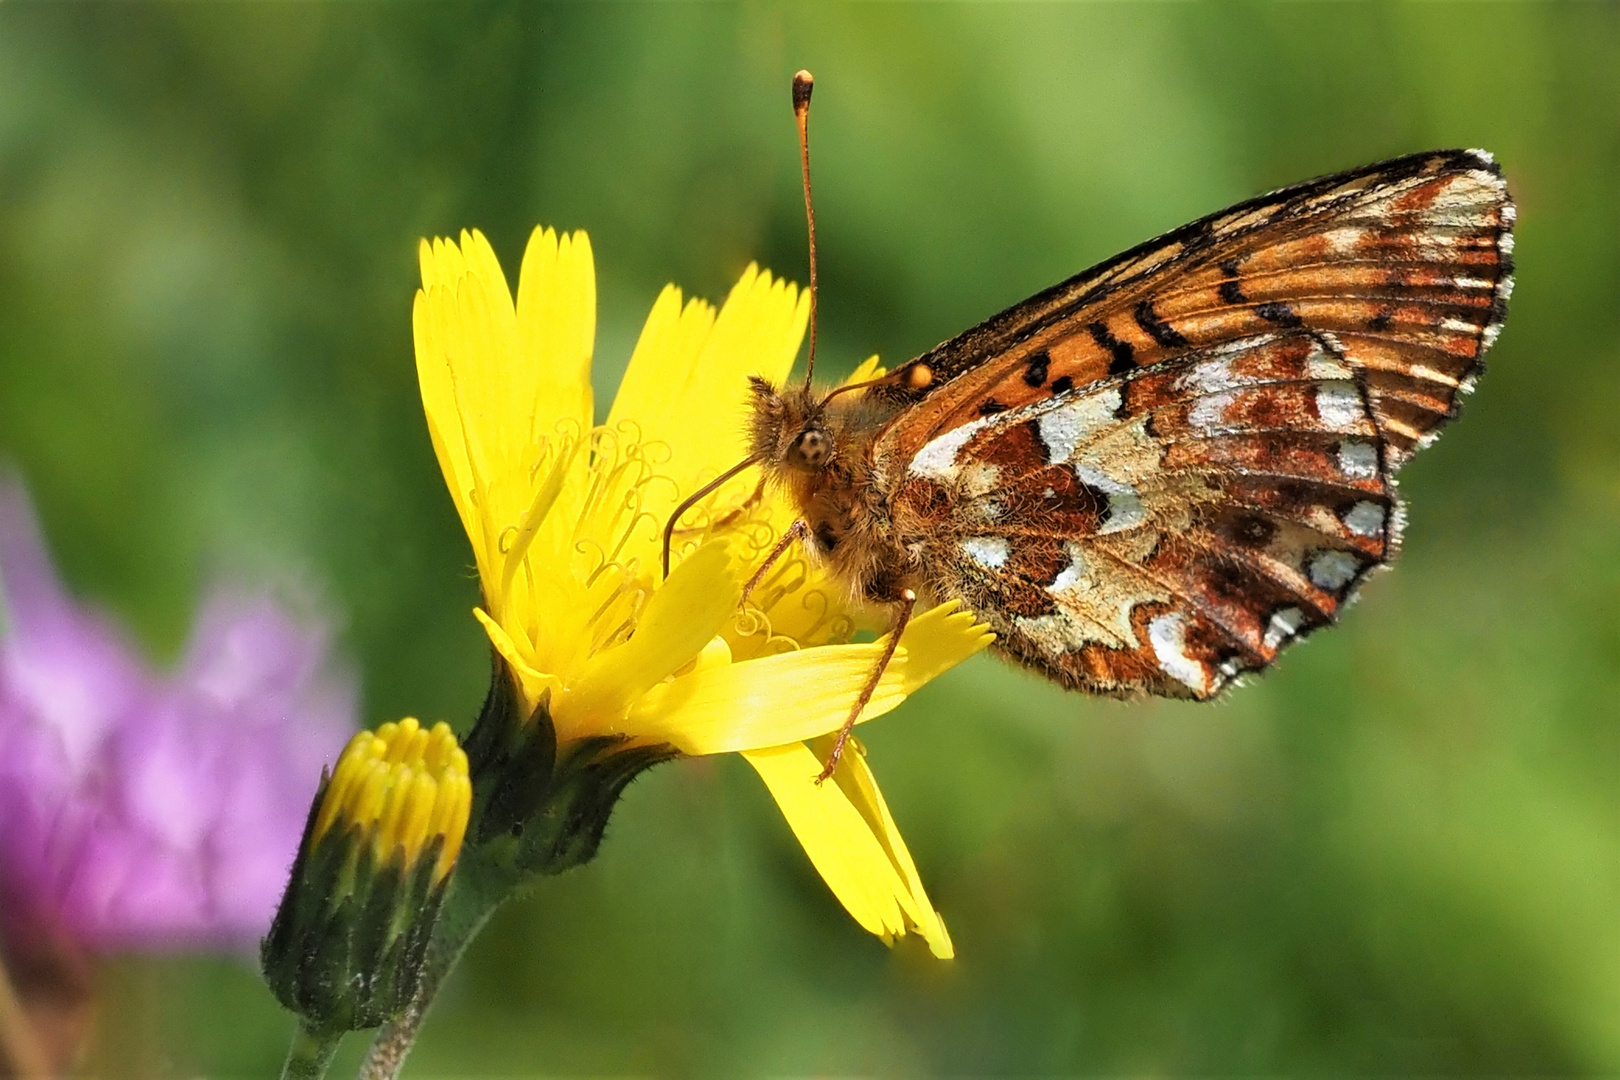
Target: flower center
(579, 567)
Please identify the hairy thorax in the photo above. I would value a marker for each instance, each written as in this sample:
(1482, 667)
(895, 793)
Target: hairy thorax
(818, 450)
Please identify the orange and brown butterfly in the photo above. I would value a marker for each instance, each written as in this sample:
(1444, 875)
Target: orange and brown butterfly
(1156, 475)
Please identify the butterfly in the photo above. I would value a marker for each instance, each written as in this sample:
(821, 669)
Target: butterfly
(1155, 476)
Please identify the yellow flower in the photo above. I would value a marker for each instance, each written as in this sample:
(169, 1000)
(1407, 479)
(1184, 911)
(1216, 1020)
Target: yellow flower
(565, 520)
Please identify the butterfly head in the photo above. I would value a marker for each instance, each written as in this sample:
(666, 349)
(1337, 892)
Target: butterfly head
(791, 429)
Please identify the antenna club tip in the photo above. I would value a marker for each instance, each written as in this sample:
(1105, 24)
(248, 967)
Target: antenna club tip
(803, 84)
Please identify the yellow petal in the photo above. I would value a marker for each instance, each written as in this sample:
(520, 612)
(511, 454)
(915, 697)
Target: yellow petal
(866, 371)
(854, 777)
(689, 372)
(506, 389)
(522, 373)
(663, 364)
(433, 320)
(715, 654)
(683, 617)
(476, 330)
(851, 843)
(532, 684)
(791, 696)
(686, 389)
(556, 327)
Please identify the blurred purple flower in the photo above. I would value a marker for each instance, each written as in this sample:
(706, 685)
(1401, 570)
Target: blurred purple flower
(139, 809)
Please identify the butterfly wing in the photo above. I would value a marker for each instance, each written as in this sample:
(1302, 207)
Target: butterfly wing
(1407, 263)
(1156, 475)
(1167, 530)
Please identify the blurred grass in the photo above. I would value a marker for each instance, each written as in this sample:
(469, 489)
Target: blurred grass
(1397, 853)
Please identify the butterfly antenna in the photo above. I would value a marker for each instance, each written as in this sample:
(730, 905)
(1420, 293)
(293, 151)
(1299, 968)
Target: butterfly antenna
(803, 84)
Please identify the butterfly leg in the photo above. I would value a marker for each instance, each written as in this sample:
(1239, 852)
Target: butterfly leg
(908, 600)
(795, 532)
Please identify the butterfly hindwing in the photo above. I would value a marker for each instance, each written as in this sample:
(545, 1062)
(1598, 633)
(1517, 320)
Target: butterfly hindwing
(1163, 530)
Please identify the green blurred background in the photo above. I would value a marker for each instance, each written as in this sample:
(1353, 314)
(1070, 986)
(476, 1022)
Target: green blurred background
(1399, 852)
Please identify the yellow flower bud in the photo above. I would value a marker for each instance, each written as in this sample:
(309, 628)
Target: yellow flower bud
(402, 785)
(350, 937)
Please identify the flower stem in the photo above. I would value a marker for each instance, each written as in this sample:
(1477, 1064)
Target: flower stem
(475, 892)
(310, 1055)
(395, 1039)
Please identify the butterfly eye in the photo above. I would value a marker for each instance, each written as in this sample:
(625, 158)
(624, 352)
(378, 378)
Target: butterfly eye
(810, 450)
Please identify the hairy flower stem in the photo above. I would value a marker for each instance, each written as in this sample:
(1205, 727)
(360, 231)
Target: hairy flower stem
(310, 1054)
(477, 889)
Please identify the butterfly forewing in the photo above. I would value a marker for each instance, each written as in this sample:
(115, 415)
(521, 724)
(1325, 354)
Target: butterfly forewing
(1406, 263)
(1155, 476)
